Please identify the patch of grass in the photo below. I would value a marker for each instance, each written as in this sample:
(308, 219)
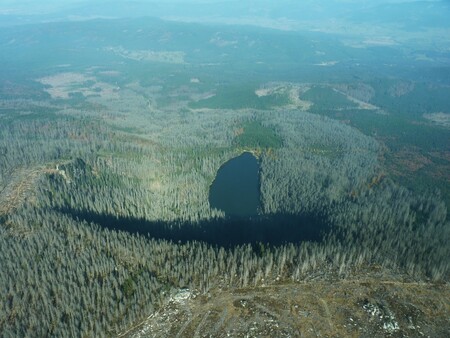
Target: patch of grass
(241, 97)
(252, 134)
(325, 98)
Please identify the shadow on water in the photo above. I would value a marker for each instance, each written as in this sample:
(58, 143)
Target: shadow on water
(273, 230)
(235, 191)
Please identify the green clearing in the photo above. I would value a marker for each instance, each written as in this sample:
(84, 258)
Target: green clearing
(255, 135)
(325, 98)
(241, 97)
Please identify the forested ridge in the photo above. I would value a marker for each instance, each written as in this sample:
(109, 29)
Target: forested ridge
(65, 276)
(107, 158)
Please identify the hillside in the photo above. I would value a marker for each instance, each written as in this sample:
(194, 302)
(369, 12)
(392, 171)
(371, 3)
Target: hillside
(364, 307)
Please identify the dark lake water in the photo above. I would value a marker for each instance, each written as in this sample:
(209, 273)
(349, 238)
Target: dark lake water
(235, 189)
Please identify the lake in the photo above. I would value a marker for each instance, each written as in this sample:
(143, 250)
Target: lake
(235, 189)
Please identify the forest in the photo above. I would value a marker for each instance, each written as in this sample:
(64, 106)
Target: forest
(106, 162)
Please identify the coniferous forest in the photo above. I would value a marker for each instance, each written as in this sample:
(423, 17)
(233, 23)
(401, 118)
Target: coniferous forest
(113, 131)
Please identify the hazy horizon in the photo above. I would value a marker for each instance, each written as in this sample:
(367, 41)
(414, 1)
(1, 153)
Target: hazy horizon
(224, 168)
(386, 22)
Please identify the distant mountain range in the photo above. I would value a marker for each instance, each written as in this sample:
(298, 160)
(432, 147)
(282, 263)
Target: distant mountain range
(410, 15)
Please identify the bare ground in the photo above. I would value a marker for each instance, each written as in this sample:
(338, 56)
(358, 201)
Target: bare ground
(356, 308)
